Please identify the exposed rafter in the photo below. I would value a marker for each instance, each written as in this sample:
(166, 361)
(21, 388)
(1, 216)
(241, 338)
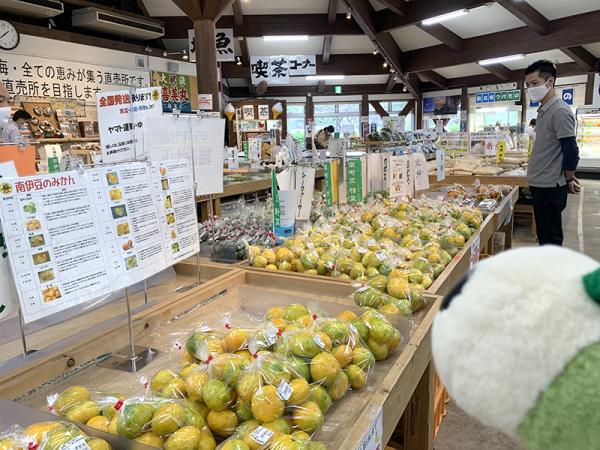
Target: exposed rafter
(386, 20)
(435, 78)
(379, 109)
(332, 12)
(444, 35)
(527, 14)
(410, 105)
(327, 42)
(501, 71)
(258, 25)
(238, 14)
(581, 56)
(566, 32)
(363, 14)
(396, 6)
(297, 91)
(390, 83)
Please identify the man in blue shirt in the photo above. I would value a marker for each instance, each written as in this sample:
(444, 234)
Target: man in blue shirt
(11, 134)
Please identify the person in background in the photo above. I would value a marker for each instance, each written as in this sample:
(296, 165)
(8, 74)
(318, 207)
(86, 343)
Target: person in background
(555, 155)
(11, 134)
(531, 127)
(323, 136)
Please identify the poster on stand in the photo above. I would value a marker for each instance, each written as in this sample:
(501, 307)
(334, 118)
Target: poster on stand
(121, 119)
(9, 301)
(176, 91)
(198, 140)
(75, 236)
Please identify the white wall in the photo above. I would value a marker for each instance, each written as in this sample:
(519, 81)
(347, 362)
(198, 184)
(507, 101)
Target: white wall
(68, 51)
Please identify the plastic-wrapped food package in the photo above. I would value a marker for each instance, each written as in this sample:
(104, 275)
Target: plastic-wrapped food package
(80, 405)
(50, 436)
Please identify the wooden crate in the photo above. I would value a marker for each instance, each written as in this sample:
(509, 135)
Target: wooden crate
(242, 292)
(441, 398)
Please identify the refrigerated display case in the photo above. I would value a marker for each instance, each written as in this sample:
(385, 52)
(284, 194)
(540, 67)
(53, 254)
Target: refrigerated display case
(588, 138)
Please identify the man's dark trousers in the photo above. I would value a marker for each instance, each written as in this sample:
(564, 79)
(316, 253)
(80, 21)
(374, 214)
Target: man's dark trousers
(548, 205)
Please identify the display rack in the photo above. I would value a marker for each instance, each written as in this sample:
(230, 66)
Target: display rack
(588, 138)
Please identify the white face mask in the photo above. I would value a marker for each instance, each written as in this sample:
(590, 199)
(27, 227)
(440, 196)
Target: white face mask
(538, 93)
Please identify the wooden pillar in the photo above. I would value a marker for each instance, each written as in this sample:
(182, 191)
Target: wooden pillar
(364, 112)
(523, 103)
(589, 88)
(310, 119)
(206, 60)
(418, 114)
(465, 106)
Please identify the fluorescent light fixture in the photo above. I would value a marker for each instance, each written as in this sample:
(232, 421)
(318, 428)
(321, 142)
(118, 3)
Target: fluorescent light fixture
(444, 17)
(298, 37)
(492, 110)
(502, 59)
(324, 77)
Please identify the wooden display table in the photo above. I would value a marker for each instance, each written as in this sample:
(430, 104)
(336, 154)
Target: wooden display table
(402, 383)
(237, 189)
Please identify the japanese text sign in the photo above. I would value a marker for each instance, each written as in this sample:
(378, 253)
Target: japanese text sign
(121, 119)
(224, 42)
(175, 91)
(279, 69)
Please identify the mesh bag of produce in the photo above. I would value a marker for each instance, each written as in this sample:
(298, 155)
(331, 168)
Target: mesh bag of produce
(202, 335)
(53, 435)
(15, 438)
(81, 405)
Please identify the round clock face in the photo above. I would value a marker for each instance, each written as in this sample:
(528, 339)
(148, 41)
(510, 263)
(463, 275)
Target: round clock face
(9, 36)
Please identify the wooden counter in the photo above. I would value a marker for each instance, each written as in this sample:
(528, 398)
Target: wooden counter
(401, 384)
(468, 180)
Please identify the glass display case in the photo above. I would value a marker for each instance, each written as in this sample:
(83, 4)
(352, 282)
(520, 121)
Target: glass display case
(588, 137)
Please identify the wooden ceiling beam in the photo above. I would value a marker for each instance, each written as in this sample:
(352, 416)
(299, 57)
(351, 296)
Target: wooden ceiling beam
(566, 32)
(214, 9)
(363, 14)
(379, 109)
(581, 56)
(435, 78)
(527, 14)
(390, 83)
(443, 34)
(191, 8)
(501, 71)
(396, 6)
(386, 20)
(410, 105)
(302, 91)
(332, 12)
(259, 25)
(321, 87)
(238, 13)
(245, 53)
(326, 54)
(357, 64)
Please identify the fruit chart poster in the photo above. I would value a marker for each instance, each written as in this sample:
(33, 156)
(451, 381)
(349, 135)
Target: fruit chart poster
(73, 237)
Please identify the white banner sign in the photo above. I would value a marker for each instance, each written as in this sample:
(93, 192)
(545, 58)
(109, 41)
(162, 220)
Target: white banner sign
(200, 141)
(440, 159)
(223, 42)
(305, 186)
(419, 169)
(279, 69)
(121, 119)
(76, 237)
(31, 76)
(401, 184)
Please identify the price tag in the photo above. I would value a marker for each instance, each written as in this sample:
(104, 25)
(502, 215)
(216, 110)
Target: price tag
(380, 256)
(271, 338)
(205, 329)
(363, 289)
(501, 151)
(373, 439)
(318, 341)
(261, 435)
(284, 391)
(75, 444)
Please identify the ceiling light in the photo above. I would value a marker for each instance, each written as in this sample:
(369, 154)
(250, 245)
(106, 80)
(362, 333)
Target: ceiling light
(404, 89)
(392, 71)
(185, 55)
(238, 60)
(492, 110)
(325, 77)
(375, 52)
(444, 17)
(487, 62)
(298, 37)
(348, 15)
(385, 64)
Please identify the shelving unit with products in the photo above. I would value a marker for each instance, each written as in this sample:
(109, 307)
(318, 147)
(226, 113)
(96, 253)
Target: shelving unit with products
(256, 119)
(588, 137)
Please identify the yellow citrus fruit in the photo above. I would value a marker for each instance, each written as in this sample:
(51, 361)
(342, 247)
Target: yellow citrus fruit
(266, 405)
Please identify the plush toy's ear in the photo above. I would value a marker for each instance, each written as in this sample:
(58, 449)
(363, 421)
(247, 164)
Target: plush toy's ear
(591, 282)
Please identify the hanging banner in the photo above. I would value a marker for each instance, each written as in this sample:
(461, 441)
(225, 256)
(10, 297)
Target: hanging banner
(31, 76)
(401, 178)
(121, 116)
(301, 65)
(224, 43)
(176, 91)
(385, 170)
(440, 159)
(279, 70)
(74, 237)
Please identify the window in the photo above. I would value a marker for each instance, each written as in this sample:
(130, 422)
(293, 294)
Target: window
(296, 121)
(343, 116)
(394, 108)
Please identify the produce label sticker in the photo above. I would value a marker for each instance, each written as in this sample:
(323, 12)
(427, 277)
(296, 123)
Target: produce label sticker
(317, 339)
(261, 435)
(75, 444)
(354, 177)
(373, 438)
(284, 391)
(74, 237)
